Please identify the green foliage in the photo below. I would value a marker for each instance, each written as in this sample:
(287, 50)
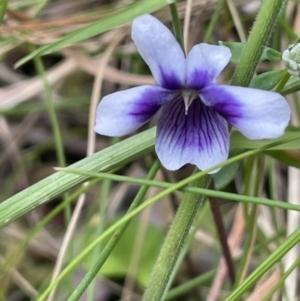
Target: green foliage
(3, 5)
(111, 21)
(237, 49)
(225, 175)
(51, 187)
(256, 160)
(267, 80)
(117, 265)
(292, 86)
(238, 141)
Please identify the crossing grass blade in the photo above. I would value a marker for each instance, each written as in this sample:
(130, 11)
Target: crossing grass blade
(52, 186)
(111, 21)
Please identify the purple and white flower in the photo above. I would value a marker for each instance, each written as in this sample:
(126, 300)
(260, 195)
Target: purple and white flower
(193, 110)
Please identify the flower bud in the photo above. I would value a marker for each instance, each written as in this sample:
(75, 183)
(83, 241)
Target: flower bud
(291, 57)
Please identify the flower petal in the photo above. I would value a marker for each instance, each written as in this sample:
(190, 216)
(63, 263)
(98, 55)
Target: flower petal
(160, 50)
(122, 112)
(258, 114)
(201, 137)
(204, 64)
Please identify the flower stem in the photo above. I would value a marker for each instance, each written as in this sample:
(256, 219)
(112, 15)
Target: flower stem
(258, 38)
(176, 24)
(174, 242)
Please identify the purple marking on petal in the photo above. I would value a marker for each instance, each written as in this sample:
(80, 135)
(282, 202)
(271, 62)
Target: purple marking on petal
(122, 112)
(258, 114)
(160, 50)
(204, 63)
(201, 137)
(221, 101)
(198, 79)
(169, 80)
(148, 106)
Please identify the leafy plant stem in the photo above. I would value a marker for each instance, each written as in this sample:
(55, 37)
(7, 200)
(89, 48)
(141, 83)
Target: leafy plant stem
(262, 29)
(92, 273)
(174, 242)
(185, 215)
(202, 213)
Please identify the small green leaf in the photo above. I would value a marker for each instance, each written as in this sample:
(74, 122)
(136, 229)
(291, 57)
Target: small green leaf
(237, 49)
(225, 175)
(267, 80)
(271, 55)
(238, 141)
(290, 158)
(104, 24)
(293, 85)
(57, 183)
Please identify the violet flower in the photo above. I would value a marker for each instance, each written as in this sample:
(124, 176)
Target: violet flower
(193, 110)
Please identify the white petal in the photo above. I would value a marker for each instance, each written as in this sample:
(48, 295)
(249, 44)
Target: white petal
(205, 63)
(160, 50)
(122, 112)
(258, 114)
(201, 137)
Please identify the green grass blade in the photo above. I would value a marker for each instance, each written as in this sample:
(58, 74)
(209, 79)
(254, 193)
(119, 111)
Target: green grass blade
(94, 270)
(3, 5)
(147, 203)
(197, 190)
(52, 186)
(111, 21)
(288, 244)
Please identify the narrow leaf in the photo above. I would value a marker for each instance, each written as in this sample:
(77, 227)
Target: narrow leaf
(52, 186)
(104, 24)
(3, 5)
(238, 141)
(267, 80)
